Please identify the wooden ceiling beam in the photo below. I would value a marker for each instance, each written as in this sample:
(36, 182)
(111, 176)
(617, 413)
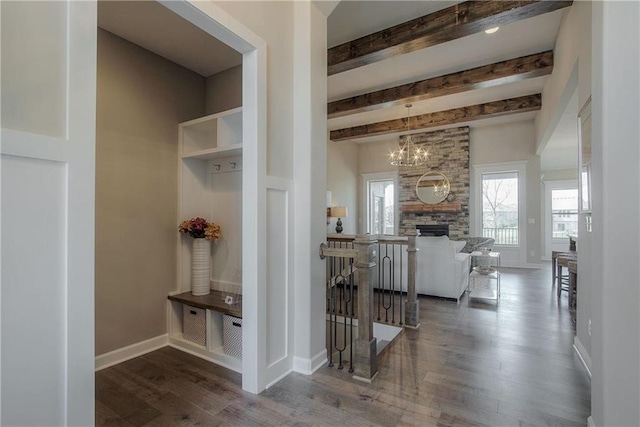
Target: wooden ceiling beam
(452, 23)
(512, 70)
(441, 118)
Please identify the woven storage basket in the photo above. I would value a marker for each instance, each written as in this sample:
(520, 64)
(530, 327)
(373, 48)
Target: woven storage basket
(232, 335)
(194, 324)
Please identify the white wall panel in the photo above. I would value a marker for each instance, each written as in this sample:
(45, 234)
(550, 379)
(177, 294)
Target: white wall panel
(33, 291)
(193, 179)
(277, 277)
(48, 186)
(34, 69)
(226, 199)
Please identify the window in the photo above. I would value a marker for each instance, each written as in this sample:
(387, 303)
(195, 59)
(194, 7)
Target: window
(381, 207)
(564, 212)
(500, 216)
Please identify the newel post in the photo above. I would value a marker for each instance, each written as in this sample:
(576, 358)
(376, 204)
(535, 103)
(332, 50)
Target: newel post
(365, 358)
(412, 308)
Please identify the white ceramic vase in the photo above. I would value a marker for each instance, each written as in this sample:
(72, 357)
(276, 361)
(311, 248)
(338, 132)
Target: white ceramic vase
(201, 267)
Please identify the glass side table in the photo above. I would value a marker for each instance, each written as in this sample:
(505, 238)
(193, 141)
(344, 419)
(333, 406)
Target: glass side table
(484, 280)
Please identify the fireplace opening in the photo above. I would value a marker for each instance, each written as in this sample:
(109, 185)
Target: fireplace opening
(433, 230)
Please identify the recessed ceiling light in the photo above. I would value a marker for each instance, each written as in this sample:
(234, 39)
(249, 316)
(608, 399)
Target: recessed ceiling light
(492, 30)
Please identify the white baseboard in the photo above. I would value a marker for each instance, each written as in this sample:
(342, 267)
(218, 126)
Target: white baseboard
(582, 354)
(129, 352)
(279, 378)
(309, 366)
(217, 361)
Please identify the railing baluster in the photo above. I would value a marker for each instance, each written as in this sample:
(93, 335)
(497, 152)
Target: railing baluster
(380, 284)
(331, 309)
(351, 280)
(402, 300)
(386, 292)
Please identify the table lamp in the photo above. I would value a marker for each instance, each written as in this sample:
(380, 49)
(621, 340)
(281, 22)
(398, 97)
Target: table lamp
(339, 212)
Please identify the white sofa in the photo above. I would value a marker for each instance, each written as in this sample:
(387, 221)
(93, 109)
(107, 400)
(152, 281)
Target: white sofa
(442, 270)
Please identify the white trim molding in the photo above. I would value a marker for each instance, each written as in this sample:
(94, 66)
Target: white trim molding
(309, 366)
(364, 188)
(129, 352)
(202, 355)
(511, 255)
(582, 353)
(274, 382)
(549, 242)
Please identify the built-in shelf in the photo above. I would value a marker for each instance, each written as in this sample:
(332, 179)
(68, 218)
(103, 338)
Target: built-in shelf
(215, 355)
(215, 307)
(215, 153)
(210, 136)
(214, 301)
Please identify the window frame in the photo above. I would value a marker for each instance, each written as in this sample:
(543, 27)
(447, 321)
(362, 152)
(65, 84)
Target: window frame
(519, 167)
(549, 186)
(365, 214)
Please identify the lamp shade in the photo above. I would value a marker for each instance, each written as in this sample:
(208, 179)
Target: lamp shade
(338, 212)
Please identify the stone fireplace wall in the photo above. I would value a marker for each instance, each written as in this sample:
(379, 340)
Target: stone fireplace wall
(448, 154)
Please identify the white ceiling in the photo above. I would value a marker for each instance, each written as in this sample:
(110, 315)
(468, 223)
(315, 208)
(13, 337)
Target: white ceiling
(352, 19)
(526, 37)
(154, 27)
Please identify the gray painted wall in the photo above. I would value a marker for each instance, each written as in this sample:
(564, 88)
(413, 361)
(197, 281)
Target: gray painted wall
(343, 182)
(141, 98)
(224, 90)
(512, 142)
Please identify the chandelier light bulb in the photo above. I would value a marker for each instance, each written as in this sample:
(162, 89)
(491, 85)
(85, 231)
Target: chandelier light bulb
(408, 154)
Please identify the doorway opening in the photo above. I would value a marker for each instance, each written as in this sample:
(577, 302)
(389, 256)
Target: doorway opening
(172, 144)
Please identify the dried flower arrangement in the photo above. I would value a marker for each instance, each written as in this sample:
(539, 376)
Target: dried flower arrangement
(200, 228)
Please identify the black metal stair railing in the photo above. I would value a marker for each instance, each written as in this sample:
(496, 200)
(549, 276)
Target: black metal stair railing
(368, 279)
(391, 276)
(340, 306)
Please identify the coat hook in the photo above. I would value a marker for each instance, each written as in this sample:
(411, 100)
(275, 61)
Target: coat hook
(217, 167)
(233, 165)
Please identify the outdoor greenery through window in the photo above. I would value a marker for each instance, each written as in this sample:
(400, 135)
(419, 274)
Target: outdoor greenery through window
(500, 207)
(564, 212)
(381, 216)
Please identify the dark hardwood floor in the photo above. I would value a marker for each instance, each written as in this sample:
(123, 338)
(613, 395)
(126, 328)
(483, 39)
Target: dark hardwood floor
(470, 364)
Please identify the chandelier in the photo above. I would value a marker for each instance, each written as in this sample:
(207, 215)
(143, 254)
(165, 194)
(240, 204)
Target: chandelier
(408, 154)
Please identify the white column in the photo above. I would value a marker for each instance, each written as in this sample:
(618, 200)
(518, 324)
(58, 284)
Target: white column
(310, 154)
(616, 209)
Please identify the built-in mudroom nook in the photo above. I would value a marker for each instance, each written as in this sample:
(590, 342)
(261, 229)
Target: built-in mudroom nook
(209, 322)
(169, 177)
